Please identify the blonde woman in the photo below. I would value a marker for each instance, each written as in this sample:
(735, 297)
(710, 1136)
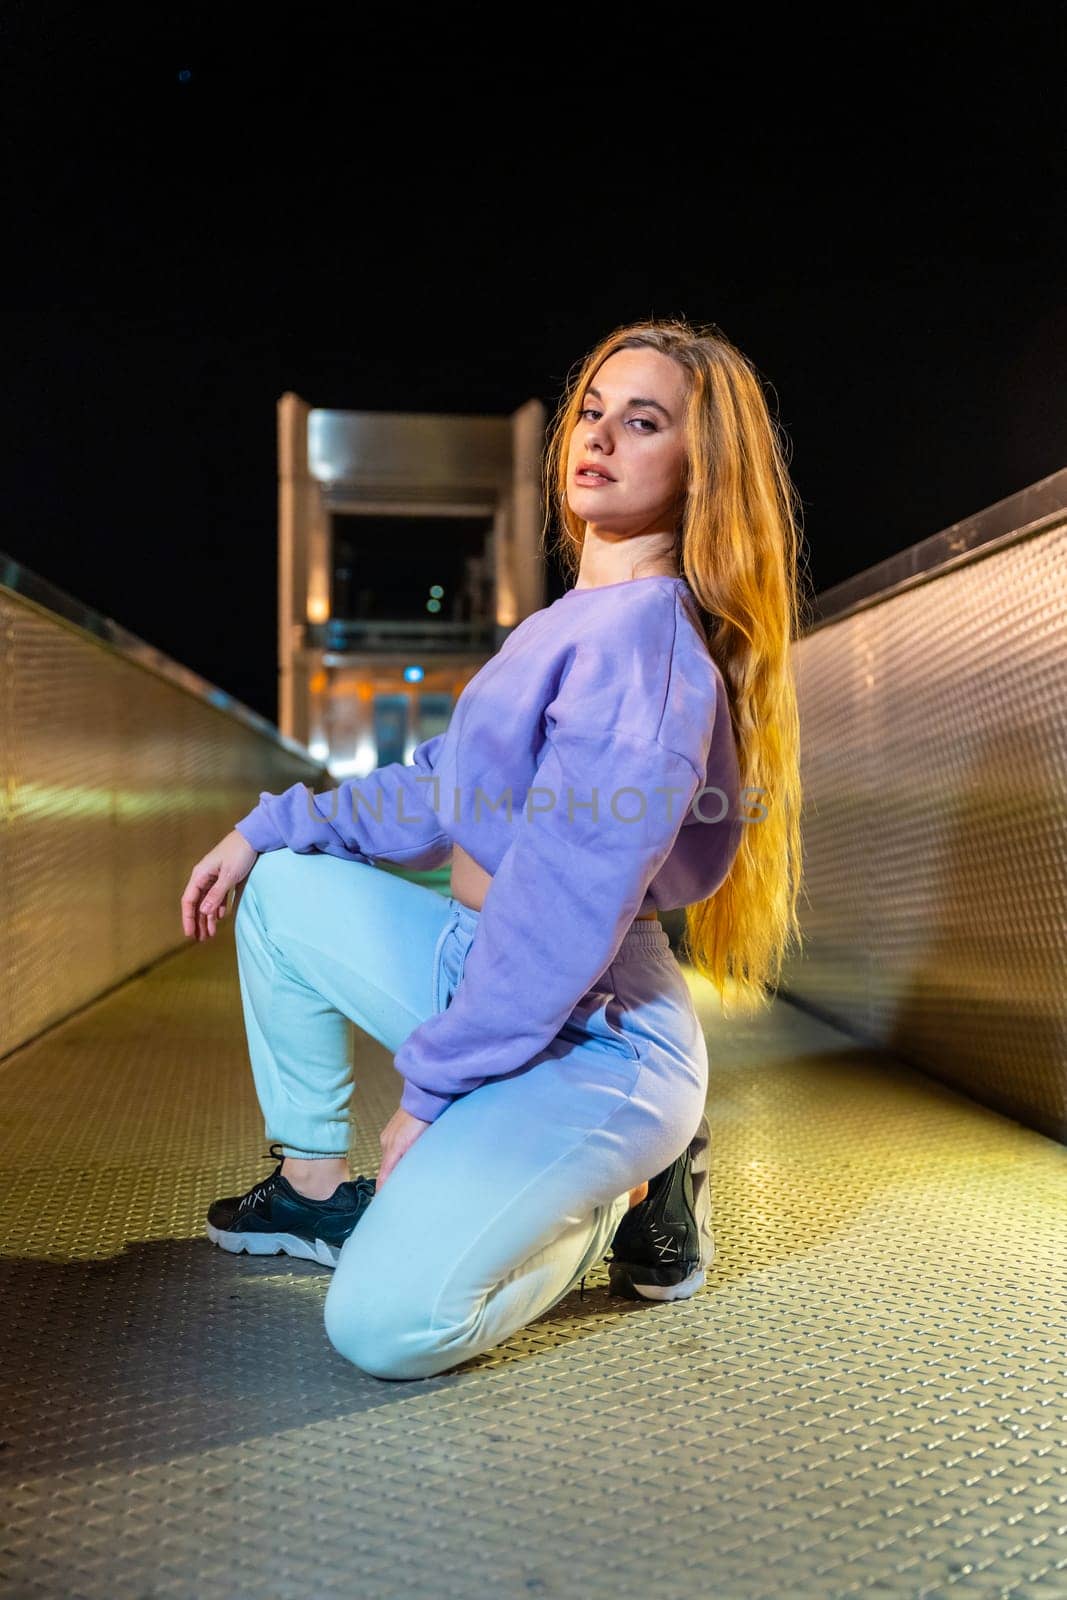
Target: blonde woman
(631, 748)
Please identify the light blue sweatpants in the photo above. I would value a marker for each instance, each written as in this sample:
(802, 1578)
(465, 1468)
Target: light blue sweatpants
(503, 1204)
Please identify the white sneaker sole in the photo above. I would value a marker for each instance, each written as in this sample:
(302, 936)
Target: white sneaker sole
(274, 1244)
(672, 1291)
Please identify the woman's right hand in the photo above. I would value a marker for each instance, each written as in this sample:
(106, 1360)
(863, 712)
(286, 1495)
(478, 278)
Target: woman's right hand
(222, 869)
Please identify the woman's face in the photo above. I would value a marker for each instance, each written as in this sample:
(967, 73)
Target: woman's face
(632, 428)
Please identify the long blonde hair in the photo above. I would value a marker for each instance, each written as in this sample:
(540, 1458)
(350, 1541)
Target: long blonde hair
(739, 536)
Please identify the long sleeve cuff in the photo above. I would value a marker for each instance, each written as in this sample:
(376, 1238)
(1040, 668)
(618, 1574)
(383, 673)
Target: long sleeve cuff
(389, 815)
(258, 829)
(421, 1103)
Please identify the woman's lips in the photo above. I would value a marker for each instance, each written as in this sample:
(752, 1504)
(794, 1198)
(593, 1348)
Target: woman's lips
(590, 480)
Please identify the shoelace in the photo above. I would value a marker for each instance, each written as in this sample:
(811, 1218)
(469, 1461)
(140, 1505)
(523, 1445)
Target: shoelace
(261, 1190)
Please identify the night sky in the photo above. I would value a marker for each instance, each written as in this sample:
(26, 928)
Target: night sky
(425, 213)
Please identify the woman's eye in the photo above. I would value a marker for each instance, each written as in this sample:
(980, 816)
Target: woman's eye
(590, 410)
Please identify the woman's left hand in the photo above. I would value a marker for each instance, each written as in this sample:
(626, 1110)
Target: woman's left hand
(397, 1138)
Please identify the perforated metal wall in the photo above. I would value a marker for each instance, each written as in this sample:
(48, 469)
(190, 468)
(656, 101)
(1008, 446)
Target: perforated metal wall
(115, 782)
(934, 762)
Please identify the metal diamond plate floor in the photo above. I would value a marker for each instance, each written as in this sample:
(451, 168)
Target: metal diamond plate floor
(867, 1397)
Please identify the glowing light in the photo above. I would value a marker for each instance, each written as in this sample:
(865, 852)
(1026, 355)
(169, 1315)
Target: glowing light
(433, 605)
(413, 674)
(436, 590)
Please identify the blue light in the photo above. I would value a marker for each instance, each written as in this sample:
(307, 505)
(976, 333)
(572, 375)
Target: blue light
(184, 75)
(413, 674)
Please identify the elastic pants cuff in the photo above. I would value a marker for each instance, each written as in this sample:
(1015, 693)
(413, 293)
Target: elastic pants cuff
(314, 1155)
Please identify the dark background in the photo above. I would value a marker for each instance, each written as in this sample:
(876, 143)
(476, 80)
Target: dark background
(208, 206)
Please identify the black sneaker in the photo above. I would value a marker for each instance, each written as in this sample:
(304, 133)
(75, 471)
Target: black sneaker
(272, 1218)
(663, 1246)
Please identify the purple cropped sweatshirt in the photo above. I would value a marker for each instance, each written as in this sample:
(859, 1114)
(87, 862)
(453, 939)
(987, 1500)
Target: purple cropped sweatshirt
(590, 767)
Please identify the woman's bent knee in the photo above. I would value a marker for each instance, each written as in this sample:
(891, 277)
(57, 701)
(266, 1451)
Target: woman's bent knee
(383, 1341)
(272, 866)
(278, 881)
